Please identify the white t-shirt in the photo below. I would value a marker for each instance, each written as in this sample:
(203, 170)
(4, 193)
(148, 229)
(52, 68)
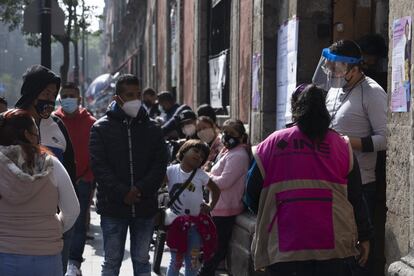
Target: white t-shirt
(191, 198)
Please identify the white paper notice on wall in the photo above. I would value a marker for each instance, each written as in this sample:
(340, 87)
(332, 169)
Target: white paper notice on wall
(287, 52)
(217, 66)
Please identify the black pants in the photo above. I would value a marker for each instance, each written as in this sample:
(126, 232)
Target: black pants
(224, 227)
(369, 191)
(333, 267)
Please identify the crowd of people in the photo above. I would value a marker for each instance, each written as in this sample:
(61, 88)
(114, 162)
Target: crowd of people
(311, 185)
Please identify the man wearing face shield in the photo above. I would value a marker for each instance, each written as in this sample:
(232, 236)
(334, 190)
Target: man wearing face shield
(38, 94)
(358, 108)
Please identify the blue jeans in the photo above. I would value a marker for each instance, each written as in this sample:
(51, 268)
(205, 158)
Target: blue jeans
(191, 257)
(67, 240)
(77, 246)
(27, 265)
(114, 232)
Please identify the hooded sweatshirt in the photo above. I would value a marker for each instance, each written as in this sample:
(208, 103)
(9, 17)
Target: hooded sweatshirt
(28, 202)
(79, 127)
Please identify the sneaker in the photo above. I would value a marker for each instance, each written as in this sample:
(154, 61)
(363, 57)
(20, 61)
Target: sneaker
(73, 270)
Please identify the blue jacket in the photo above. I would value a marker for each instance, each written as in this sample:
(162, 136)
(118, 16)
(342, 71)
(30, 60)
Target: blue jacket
(116, 138)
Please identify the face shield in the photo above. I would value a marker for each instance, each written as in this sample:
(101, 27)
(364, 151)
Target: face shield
(331, 70)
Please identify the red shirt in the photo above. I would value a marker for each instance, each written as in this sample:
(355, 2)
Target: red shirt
(79, 127)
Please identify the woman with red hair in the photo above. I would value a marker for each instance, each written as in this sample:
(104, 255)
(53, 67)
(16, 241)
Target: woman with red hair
(33, 183)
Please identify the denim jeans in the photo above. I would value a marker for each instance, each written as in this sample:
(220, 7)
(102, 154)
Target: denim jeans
(114, 232)
(27, 265)
(84, 190)
(67, 240)
(191, 257)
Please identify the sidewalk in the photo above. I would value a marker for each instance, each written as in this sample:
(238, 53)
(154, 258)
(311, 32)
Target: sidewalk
(93, 253)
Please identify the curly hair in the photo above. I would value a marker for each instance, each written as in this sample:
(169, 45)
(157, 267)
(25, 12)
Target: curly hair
(309, 112)
(194, 143)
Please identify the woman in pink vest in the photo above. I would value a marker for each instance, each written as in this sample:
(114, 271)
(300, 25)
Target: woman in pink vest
(311, 217)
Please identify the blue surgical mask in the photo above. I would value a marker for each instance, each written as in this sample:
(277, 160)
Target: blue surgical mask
(69, 105)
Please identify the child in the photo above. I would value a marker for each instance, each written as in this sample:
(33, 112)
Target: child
(193, 228)
(229, 172)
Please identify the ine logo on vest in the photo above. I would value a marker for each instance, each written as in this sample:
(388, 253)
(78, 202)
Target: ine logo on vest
(304, 146)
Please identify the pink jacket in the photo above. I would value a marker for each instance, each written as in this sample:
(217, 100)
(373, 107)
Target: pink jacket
(229, 173)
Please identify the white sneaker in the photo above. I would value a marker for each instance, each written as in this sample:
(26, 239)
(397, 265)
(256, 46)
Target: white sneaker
(73, 270)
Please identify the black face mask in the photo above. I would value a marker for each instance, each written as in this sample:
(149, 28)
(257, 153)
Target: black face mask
(229, 141)
(44, 108)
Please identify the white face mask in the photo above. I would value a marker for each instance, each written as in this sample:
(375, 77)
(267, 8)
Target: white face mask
(69, 105)
(189, 130)
(131, 108)
(206, 135)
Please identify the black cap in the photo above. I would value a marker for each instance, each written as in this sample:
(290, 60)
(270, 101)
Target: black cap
(35, 80)
(166, 96)
(186, 115)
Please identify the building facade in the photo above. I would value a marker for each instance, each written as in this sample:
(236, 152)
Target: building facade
(203, 51)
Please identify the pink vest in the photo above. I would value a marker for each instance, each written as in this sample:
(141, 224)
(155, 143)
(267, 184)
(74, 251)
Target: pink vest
(304, 213)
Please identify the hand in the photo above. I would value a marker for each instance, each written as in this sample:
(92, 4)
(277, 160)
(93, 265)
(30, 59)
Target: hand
(132, 196)
(364, 252)
(208, 166)
(205, 208)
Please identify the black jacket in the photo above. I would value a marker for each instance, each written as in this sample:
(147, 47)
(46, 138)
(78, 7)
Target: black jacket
(110, 161)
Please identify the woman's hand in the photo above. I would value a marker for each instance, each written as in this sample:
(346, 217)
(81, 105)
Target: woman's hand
(207, 167)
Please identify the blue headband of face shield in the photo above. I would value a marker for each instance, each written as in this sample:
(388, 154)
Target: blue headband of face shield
(334, 58)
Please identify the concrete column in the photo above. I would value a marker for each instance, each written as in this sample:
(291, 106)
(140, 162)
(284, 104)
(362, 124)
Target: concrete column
(201, 29)
(234, 58)
(180, 16)
(399, 234)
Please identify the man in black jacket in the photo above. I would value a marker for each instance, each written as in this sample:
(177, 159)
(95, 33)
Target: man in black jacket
(128, 159)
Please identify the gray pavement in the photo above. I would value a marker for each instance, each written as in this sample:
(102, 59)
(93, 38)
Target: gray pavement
(94, 253)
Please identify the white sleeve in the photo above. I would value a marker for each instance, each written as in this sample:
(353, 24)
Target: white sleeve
(205, 178)
(67, 200)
